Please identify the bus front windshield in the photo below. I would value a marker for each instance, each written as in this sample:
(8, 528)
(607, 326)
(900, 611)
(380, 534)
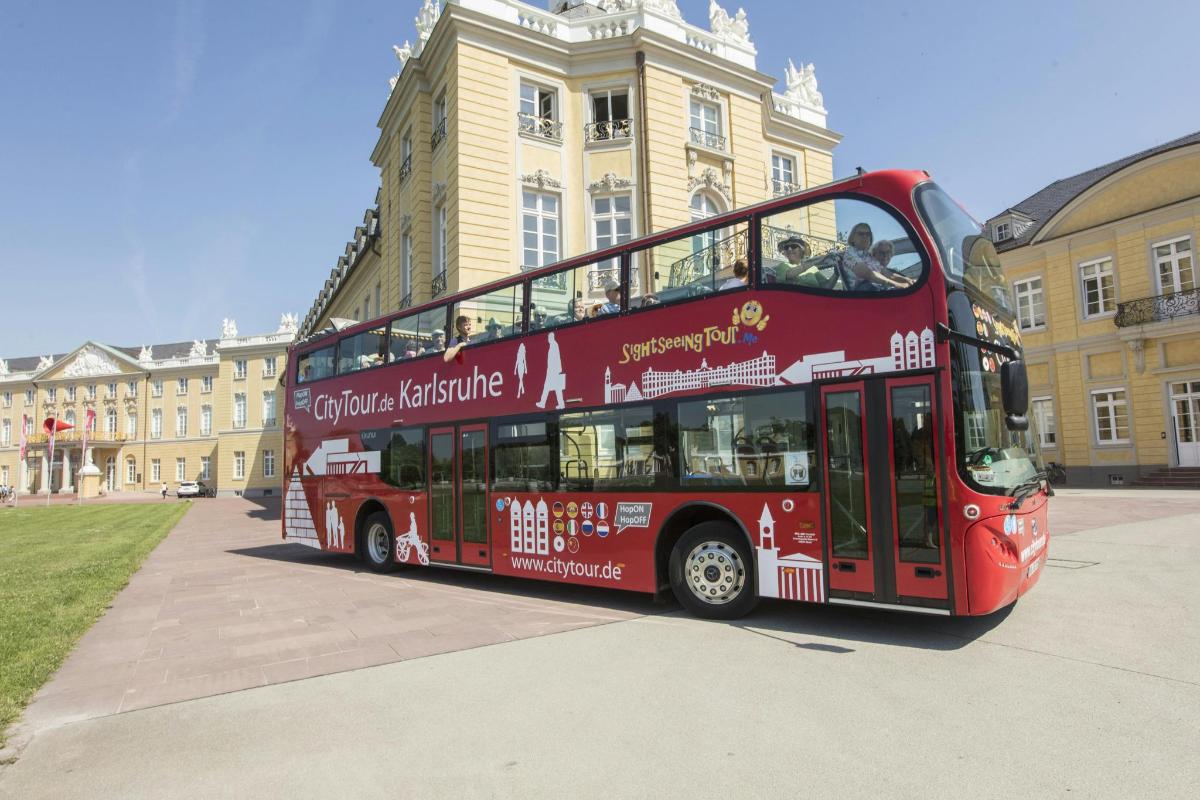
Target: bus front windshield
(991, 458)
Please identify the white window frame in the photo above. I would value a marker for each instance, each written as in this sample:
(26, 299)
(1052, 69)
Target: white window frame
(91, 391)
(1020, 293)
(130, 469)
(699, 120)
(29, 397)
(1095, 263)
(613, 217)
(181, 386)
(180, 468)
(539, 216)
(110, 421)
(239, 465)
(541, 93)
(1002, 231)
(239, 410)
(1040, 416)
(205, 468)
(240, 369)
(1174, 259)
(1111, 405)
(206, 420)
(441, 260)
(71, 393)
(131, 420)
(131, 389)
(778, 172)
(6, 435)
(406, 252)
(155, 470)
(181, 422)
(268, 409)
(156, 387)
(52, 394)
(156, 423)
(271, 363)
(206, 384)
(268, 463)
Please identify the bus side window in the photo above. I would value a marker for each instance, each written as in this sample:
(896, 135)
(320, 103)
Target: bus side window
(404, 459)
(691, 266)
(363, 350)
(315, 365)
(523, 452)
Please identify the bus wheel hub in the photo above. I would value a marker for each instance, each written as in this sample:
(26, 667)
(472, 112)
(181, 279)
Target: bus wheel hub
(715, 573)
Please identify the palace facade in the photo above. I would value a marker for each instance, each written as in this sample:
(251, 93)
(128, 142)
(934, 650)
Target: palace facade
(516, 135)
(1104, 282)
(207, 410)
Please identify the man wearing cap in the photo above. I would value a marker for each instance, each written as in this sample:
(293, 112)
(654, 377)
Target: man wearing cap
(437, 342)
(612, 290)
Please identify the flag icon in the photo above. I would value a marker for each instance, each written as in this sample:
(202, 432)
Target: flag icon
(602, 529)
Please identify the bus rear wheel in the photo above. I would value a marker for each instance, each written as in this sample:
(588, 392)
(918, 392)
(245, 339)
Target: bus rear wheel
(712, 573)
(379, 543)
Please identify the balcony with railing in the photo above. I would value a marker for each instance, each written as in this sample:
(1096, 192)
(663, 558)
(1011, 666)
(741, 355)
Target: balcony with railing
(406, 301)
(541, 127)
(703, 138)
(439, 135)
(1158, 308)
(406, 169)
(439, 283)
(608, 130)
(780, 188)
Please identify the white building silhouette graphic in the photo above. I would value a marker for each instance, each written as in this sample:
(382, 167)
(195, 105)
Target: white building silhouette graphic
(333, 457)
(910, 350)
(758, 371)
(793, 577)
(297, 519)
(529, 527)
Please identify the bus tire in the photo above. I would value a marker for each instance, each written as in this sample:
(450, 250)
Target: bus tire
(379, 543)
(712, 572)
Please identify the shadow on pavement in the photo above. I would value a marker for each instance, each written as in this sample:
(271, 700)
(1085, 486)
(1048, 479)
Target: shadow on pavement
(785, 621)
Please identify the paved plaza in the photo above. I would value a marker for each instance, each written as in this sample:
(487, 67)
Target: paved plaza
(235, 665)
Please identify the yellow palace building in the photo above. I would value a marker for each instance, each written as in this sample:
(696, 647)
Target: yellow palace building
(204, 410)
(1104, 282)
(515, 135)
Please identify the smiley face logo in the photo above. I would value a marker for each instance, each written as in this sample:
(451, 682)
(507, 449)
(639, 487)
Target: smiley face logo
(751, 315)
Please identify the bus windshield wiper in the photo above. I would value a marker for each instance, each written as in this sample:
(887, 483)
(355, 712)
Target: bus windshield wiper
(1026, 489)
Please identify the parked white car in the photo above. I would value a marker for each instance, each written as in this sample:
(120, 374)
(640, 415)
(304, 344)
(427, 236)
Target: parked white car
(195, 489)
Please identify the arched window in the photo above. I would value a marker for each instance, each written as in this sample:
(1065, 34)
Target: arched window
(705, 205)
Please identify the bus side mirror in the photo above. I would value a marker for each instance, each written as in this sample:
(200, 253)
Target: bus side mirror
(1014, 392)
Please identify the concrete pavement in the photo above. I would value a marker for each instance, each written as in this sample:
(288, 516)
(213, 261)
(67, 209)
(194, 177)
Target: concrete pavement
(1089, 687)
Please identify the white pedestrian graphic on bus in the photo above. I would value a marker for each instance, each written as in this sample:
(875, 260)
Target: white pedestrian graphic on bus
(409, 541)
(556, 380)
(335, 529)
(520, 369)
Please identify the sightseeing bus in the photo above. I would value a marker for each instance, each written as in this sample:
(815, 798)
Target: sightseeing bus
(818, 398)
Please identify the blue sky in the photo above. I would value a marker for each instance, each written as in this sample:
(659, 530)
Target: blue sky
(167, 164)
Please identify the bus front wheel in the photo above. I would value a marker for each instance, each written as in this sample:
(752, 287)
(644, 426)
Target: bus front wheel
(379, 543)
(712, 573)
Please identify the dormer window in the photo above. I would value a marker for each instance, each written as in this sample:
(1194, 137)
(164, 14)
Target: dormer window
(1001, 231)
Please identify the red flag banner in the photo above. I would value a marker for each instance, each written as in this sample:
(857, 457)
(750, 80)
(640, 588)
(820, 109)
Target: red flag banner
(89, 423)
(24, 442)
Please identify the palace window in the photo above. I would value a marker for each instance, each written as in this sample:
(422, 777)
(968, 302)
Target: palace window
(440, 117)
(783, 175)
(156, 423)
(110, 421)
(181, 415)
(1043, 416)
(71, 394)
(440, 255)
(155, 470)
(268, 463)
(205, 420)
(1111, 412)
(91, 391)
(181, 386)
(7, 399)
(1176, 269)
(239, 410)
(131, 389)
(1001, 231)
(156, 387)
(205, 467)
(130, 470)
(539, 229)
(705, 119)
(29, 397)
(270, 364)
(1031, 303)
(52, 395)
(180, 469)
(206, 384)
(610, 116)
(240, 369)
(406, 266)
(1099, 291)
(131, 423)
(239, 464)
(6, 433)
(268, 409)
(538, 114)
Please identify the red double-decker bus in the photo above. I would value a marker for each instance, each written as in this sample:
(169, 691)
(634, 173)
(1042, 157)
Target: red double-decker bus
(818, 398)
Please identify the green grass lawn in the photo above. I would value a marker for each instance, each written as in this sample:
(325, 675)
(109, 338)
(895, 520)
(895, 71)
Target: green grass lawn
(60, 567)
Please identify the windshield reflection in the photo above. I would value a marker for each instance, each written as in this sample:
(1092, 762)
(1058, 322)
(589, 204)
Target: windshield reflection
(968, 256)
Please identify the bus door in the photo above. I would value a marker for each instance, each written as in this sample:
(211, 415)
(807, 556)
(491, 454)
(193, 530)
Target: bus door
(882, 490)
(458, 495)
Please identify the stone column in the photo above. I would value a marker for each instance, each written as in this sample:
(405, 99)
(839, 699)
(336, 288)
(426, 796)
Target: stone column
(66, 485)
(45, 475)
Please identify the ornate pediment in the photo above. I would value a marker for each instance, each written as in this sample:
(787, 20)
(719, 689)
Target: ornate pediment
(541, 179)
(90, 362)
(610, 183)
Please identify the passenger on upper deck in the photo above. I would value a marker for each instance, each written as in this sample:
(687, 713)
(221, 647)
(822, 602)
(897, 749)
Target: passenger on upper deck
(464, 326)
(612, 291)
(882, 252)
(740, 273)
(493, 330)
(861, 270)
(437, 342)
(820, 275)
